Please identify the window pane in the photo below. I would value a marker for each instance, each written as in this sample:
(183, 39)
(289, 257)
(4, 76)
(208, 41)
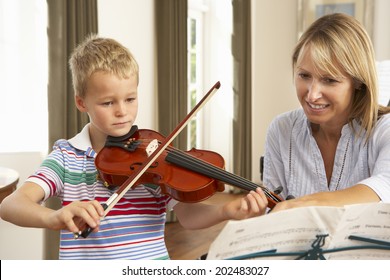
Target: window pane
(192, 129)
(193, 98)
(193, 68)
(193, 34)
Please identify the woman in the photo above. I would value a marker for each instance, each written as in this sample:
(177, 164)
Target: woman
(335, 150)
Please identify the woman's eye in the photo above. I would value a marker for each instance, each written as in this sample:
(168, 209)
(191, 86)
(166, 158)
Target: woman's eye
(330, 80)
(303, 75)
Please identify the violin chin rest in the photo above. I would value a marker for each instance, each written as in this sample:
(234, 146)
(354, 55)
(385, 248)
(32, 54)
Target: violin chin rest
(122, 138)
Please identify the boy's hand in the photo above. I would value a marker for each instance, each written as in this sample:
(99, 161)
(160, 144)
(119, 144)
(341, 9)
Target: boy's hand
(253, 204)
(77, 216)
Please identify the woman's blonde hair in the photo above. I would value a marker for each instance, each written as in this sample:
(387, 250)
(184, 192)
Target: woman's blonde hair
(100, 54)
(339, 43)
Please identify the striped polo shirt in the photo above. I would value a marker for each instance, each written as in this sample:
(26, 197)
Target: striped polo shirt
(133, 229)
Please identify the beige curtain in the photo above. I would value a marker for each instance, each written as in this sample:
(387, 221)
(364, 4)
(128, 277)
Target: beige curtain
(171, 28)
(69, 22)
(241, 49)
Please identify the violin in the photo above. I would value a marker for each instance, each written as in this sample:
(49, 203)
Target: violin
(122, 156)
(151, 154)
(189, 176)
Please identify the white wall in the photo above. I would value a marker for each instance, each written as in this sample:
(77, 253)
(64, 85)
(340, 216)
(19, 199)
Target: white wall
(381, 38)
(274, 34)
(131, 22)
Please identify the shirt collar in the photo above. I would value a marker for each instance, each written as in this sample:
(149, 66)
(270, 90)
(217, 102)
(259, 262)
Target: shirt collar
(82, 141)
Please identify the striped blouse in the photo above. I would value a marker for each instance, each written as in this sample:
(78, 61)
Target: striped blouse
(293, 160)
(133, 229)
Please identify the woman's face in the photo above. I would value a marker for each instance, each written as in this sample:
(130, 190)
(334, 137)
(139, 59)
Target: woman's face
(326, 100)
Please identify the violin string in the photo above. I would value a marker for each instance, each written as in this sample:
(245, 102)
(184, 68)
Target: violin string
(220, 174)
(190, 162)
(201, 166)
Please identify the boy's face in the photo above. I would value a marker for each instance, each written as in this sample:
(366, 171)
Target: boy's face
(111, 103)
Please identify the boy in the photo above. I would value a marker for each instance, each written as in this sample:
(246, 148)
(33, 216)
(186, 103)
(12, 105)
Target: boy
(105, 80)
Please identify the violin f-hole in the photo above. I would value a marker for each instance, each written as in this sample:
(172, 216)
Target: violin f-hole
(137, 164)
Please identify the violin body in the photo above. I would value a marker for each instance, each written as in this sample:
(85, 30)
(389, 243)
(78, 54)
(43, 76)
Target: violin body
(123, 156)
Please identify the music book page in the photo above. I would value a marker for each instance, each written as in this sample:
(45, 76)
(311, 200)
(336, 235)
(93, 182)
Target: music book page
(295, 230)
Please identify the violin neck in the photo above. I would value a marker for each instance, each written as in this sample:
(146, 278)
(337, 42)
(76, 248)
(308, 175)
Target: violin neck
(181, 159)
(202, 167)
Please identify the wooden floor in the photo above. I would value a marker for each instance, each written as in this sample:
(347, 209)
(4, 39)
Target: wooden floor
(186, 244)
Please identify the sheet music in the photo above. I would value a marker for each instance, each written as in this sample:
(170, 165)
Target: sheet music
(364, 220)
(383, 71)
(287, 231)
(295, 230)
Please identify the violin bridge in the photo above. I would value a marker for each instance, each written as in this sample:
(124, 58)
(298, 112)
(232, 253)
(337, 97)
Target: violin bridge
(153, 145)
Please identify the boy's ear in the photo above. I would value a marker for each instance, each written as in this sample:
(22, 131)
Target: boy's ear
(80, 104)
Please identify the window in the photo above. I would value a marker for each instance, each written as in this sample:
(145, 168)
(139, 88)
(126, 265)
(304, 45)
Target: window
(23, 75)
(210, 60)
(195, 71)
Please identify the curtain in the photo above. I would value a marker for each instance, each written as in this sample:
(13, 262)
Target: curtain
(171, 29)
(241, 50)
(69, 22)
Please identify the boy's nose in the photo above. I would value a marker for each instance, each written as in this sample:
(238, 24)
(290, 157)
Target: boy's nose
(120, 110)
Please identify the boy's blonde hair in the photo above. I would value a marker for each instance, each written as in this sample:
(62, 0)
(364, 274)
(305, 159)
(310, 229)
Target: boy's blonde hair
(339, 43)
(100, 54)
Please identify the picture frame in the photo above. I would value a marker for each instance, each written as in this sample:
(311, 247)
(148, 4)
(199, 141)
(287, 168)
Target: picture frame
(310, 10)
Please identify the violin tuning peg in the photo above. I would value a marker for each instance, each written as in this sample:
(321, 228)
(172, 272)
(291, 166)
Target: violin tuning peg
(278, 190)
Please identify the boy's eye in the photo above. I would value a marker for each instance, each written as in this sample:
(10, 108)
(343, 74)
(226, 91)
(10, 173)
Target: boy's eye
(130, 99)
(108, 103)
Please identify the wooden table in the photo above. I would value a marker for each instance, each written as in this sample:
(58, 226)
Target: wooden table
(8, 181)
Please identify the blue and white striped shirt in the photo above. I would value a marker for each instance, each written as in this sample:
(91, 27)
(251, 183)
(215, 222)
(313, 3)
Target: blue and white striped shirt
(293, 160)
(133, 229)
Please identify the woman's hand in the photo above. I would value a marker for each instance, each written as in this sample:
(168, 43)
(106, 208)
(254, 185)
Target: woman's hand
(291, 203)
